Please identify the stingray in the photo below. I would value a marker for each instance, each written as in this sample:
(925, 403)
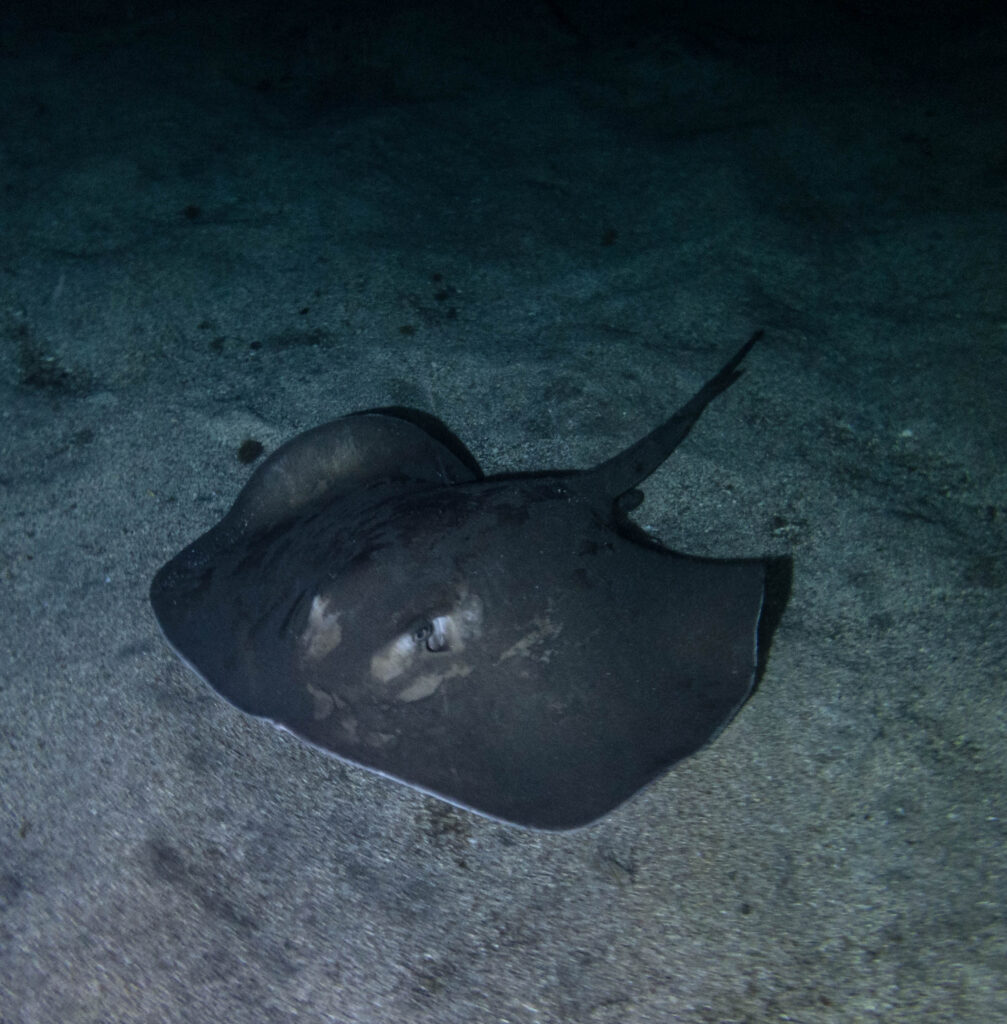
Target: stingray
(512, 644)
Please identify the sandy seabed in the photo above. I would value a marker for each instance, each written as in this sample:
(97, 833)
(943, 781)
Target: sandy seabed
(545, 224)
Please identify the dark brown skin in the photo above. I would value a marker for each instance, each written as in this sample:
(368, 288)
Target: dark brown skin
(510, 644)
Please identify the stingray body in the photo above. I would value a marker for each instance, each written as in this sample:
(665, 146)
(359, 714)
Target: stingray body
(513, 644)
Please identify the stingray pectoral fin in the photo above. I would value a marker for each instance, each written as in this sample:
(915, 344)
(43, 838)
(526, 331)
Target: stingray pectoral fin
(340, 457)
(685, 665)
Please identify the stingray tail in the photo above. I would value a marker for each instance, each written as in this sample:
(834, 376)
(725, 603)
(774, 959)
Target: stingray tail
(624, 471)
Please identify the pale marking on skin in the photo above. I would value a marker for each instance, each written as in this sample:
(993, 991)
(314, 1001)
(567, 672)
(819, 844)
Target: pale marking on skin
(393, 659)
(542, 630)
(324, 704)
(461, 623)
(323, 634)
(427, 685)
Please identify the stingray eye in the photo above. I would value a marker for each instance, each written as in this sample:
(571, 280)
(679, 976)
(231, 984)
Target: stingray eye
(438, 638)
(431, 634)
